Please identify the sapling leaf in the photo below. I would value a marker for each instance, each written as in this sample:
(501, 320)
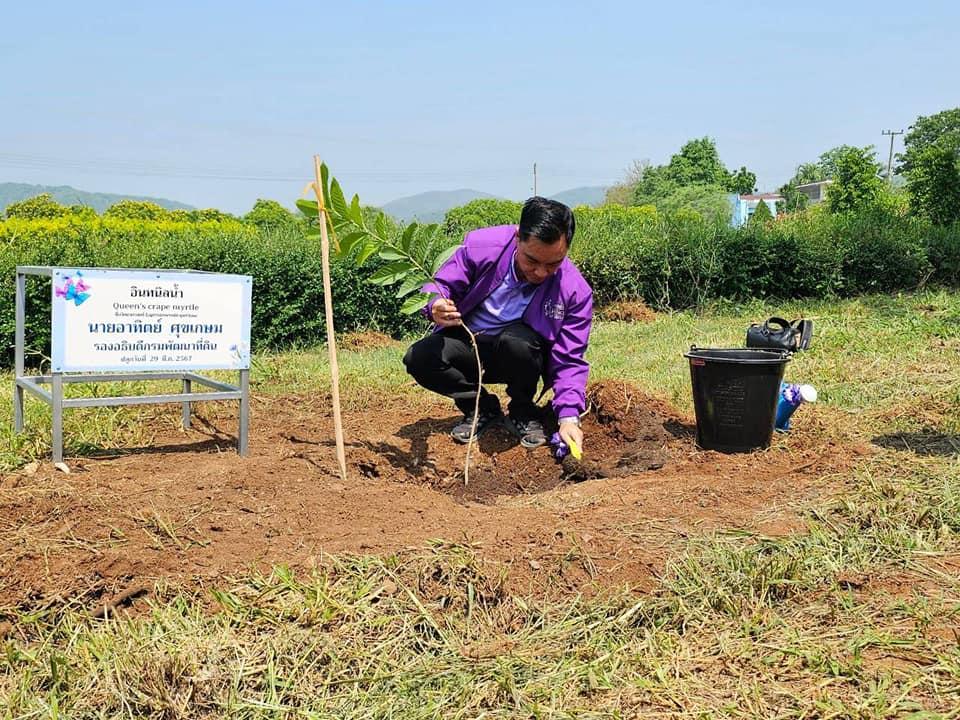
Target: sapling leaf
(391, 254)
(369, 248)
(442, 258)
(407, 237)
(381, 226)
(389, 274)
(420, 244)
(308, 207)
(325, 181)
(437, 240)
(337, 201)
(413, 281)
(349, 242)
(356, 213)
(425, 238)
(414, 303)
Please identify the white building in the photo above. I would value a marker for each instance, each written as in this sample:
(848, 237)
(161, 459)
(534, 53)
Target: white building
(816, 192)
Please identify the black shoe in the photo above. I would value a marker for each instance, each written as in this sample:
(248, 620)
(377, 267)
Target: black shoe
(530, 431)
(486, 420)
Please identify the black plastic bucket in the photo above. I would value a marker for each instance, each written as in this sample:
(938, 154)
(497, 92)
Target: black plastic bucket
(735, 393)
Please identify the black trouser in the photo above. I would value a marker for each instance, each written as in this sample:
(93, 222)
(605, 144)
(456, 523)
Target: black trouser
(444, 363)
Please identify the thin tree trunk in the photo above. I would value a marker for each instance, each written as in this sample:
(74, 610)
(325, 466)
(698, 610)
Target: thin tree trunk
(476, 402)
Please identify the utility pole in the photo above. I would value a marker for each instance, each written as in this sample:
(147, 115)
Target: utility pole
(892, 134)
(534, 178)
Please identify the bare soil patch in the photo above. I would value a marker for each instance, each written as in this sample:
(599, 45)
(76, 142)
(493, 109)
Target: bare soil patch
(189, 510)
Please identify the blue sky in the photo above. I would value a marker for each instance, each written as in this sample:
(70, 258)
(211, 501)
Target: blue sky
(216, 104)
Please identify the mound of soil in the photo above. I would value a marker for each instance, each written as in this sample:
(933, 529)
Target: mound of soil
(627, 311)
(625, 434)
(366, 340)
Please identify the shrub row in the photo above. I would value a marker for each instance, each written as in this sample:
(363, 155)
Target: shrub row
(670, 261)
(679, 259)
(287, 287)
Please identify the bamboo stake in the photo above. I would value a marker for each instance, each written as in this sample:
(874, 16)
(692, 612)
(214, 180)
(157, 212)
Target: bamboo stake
(328, 307)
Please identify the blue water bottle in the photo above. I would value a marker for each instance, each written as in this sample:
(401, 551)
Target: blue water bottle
(791, 397)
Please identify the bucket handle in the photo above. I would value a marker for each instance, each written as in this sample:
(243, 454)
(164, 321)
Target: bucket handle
(784, 354)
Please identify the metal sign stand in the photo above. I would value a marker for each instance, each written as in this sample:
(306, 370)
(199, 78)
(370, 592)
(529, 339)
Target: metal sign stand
(56, 380)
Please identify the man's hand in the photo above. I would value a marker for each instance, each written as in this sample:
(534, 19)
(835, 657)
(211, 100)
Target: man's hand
(444, 313)
(571, 431)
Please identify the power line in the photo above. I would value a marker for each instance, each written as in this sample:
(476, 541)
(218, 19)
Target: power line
(121, 167)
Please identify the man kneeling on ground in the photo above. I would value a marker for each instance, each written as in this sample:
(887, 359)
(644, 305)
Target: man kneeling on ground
(531, 311)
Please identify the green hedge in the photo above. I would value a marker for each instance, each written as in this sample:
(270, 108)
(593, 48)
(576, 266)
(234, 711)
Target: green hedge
(287, 287)
(679, 259)
(480, 213)
(670, 261)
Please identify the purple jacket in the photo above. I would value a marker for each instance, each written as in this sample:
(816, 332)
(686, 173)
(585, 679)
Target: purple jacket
(561, 309)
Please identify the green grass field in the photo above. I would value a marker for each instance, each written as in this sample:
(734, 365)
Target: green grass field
(856, 617)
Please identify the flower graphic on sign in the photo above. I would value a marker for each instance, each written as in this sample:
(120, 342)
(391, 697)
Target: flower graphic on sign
(74, 288)
(237, 353)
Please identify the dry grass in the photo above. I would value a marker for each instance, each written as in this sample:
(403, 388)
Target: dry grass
(849, 620)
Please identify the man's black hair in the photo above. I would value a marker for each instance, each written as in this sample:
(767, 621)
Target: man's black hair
(547, 220)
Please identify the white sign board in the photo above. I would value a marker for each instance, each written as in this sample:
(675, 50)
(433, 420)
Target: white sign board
(116, 320)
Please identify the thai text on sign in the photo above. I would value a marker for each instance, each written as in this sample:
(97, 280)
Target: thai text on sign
(115, 320)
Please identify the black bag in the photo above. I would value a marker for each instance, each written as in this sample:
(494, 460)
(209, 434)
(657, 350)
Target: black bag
(778, 334)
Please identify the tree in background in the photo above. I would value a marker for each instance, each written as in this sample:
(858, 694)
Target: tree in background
(742, 182)
(856, 179)
(698, 163)
(942, 129)
(83, 212)
(270, 215)
(810, 173)
(210, 215)
(793, 199)
(655, 184)
(622, 192)
(136, 210)
(824, 168)
(37, 208)
(709, 201)
(694, 178)
(480, 213)
(762, 214)
(931, 163)
(933, 184)
(828, 161)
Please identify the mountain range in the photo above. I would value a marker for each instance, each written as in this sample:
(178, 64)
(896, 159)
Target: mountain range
(66, 195)
(426, 207)
(430, 207)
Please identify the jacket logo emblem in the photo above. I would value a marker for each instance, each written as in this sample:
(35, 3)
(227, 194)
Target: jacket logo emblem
(553, 310)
